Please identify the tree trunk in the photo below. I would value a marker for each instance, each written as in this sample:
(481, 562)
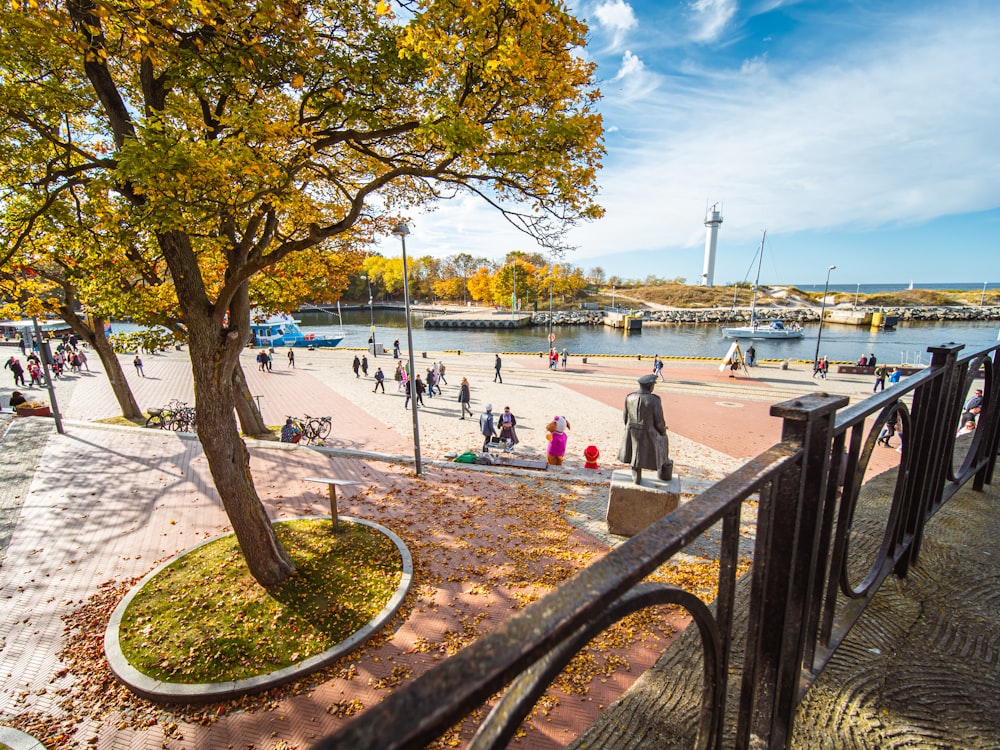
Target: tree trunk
(229, 462)
(93, 334)
(251, 421)
(214, 347)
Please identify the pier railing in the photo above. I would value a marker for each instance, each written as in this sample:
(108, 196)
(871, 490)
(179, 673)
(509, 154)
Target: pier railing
(804, 595)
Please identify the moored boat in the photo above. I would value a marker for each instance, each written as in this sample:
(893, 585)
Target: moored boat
(283, 330)
(761, 329)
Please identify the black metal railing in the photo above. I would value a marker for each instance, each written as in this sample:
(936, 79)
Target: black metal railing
(801, 598)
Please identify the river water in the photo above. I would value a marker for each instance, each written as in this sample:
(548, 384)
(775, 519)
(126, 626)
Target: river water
(908, 343)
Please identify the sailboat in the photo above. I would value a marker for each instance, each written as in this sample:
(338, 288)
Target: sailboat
(761, 329)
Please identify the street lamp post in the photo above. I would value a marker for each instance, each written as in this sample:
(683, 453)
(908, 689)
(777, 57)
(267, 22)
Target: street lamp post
(551, 340)
(982, 299)
(822, 309)
(401, 231)
(371, 315)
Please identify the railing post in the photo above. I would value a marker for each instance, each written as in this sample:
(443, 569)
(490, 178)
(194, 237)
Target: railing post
(989, 420)
(785, 560)
(925, 449)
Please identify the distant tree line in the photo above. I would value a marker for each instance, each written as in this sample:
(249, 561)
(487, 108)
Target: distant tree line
(465, 278)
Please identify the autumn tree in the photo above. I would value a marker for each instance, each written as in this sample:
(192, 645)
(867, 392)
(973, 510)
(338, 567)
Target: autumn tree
(234, 135)
(480, 285)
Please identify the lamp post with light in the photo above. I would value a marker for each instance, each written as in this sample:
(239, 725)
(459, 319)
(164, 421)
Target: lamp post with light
(822, 309)
(371, 315)
(401, 231)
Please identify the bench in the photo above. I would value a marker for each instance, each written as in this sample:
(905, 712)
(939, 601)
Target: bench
(333, 484)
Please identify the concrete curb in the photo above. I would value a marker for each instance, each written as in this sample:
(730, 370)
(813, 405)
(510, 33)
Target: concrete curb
(18, 740)
(174, 692)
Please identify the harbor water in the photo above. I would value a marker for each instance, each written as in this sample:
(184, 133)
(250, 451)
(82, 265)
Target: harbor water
(908, 343)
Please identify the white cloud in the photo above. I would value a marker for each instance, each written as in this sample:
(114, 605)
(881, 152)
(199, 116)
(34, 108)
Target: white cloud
(892, 134)
(631, 66)
(711, 18)
(901, 134)
(617, 18)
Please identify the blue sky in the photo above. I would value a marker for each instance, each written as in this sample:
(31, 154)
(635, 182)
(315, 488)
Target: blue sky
(864, 135)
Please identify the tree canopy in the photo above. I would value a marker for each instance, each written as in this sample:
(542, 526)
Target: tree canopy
(193, 145)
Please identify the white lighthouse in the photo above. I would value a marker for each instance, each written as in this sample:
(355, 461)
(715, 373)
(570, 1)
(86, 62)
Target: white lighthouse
(713, 220)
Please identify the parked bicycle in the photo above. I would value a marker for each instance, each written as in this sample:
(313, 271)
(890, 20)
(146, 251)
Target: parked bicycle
(313, 429)
(176, 416)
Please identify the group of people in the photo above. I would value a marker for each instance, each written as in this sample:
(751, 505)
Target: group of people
(555, 358)
(495, 430)
(970, 414)
(33, 368)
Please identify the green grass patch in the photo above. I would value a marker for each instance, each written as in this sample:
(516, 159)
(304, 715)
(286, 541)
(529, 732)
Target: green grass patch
(205, 619)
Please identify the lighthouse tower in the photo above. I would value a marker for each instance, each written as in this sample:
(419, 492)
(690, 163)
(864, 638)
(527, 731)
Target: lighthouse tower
(713, 220)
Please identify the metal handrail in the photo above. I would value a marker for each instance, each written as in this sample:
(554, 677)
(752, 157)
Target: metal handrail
(800, 604)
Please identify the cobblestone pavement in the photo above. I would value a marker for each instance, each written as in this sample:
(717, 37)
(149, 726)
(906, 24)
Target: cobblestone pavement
(104, 503)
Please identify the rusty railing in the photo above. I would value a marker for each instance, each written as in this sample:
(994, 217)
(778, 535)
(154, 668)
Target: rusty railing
(802, 600)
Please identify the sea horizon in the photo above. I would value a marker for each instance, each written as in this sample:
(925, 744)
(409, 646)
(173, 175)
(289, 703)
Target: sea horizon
(863, 288)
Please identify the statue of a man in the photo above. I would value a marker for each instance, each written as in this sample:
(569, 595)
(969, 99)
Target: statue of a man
(646, 445)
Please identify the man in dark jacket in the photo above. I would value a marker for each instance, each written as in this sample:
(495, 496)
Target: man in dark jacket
(15, 366)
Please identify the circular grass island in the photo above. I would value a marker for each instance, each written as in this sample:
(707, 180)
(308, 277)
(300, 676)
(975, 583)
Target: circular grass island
(199, 628)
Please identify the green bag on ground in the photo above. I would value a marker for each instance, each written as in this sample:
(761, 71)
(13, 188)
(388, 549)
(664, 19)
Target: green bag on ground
(466, 458)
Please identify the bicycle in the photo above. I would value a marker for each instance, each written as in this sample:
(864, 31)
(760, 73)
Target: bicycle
(313, 429)
(176, 416)
(318, 428)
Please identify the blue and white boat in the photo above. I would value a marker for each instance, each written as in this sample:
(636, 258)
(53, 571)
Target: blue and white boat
(283, 330)
(762, 329)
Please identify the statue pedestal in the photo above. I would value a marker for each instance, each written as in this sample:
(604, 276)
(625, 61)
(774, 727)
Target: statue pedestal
(632, 507)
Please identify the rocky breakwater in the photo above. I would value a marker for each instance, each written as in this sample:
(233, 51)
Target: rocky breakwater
(742, 315)
(570, 318)
(957, 312)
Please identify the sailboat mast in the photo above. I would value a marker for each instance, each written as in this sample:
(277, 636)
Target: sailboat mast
(756, 282)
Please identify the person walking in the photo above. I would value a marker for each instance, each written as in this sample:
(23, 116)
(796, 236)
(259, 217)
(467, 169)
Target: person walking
(565, 358)
(138, 366)
(399, 377)
(395, 349)
(879, 378)
(824, 367)
(82, 357)
(35, 373)
(751, 356)
(430, 382)
(356, 366)
(486, 426)
(17, 370)
(420, 388)
(379, 380)
(496, 366)
(464, 396)
(658, 367)
(364, 365)
(291, 359)
(441, 379)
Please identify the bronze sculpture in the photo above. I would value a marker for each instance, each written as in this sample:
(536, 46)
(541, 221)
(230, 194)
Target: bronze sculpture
(646, 445)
